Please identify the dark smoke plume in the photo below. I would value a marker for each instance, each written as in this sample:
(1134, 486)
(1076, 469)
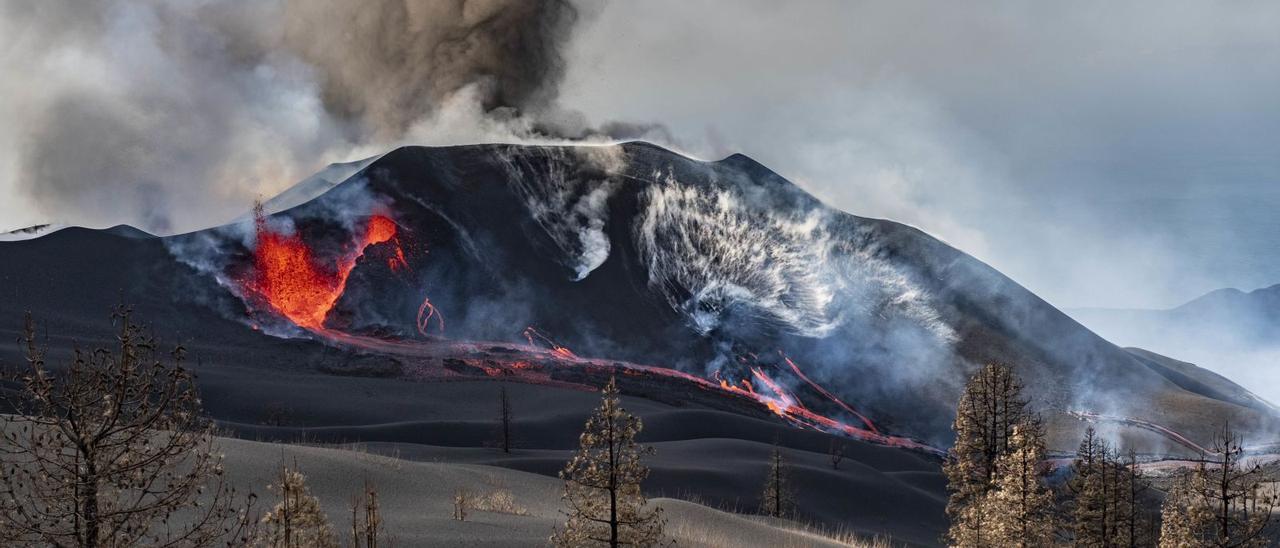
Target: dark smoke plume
(384, 64)
(176, 115)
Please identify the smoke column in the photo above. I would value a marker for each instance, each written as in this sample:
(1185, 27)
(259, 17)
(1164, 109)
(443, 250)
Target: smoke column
(176, 115)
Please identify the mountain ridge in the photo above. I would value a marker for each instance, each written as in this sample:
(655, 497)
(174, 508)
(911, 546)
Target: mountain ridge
(714, 263)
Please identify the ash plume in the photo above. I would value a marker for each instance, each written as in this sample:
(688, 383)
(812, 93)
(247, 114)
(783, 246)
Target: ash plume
(385, 64)
(177, 115)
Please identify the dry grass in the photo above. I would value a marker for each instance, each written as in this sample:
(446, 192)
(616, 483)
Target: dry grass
(501, 501)
(688, 533)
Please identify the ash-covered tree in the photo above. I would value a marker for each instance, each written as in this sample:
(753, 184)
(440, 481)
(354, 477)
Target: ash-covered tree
(1106, 497)
(602, 483)
(296, 520)
(1134, 521)
(1184, 517)
(1092, 515)
(1019, 508)
(777, 498)
(113, 450)
(1224, 502)
(989, 409)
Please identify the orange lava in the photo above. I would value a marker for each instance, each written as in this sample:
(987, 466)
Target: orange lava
(556, 349)
(795, 368)
(427, 311)
(298, 285)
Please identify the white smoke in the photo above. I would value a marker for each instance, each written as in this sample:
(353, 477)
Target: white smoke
(710, 249)
(571, 207)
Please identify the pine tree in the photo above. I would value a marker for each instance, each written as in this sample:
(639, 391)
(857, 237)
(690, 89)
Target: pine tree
(602, 483)
(989, 408)
(777, 499)
(1132, 520)
(1089, 487)
(296, 520)
(1184, 518)
(1019, 507)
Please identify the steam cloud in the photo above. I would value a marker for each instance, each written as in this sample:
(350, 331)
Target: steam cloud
(145, 105)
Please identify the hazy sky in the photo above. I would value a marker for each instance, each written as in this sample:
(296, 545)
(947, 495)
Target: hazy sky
(1101, 154)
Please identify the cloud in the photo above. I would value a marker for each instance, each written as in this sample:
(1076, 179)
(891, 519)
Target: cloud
(1088, 150)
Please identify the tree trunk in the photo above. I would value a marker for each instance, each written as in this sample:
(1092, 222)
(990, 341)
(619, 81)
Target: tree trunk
(613, 487)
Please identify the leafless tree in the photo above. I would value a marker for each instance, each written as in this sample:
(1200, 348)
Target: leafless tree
(836, 452)
(1223, 502)
(112, 450)
(504, 420)
(461, 503)
(366, 518)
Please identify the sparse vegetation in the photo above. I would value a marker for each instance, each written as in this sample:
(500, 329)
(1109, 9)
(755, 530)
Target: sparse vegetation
(113, 450)
(501, 501)
(602, 483)
(296, 520)
(366, 518)
(1221, 503)
(461, 504)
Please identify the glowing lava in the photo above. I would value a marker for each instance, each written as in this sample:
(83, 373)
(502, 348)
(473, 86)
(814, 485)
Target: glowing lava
(795, 368)
(296, 284)
(427, 311)
(556, 349)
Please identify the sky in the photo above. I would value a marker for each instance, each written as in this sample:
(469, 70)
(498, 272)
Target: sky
(1100, 153)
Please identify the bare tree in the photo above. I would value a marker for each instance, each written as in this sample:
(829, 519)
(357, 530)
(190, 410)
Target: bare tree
(1222, 503)
(461, 503)
(777, 498)
(602, 483)
(366, 518)
(504, 420)
(836, 452)
(113, 450)
(296, 520)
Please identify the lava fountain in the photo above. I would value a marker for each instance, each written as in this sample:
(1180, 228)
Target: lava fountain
(298, 285)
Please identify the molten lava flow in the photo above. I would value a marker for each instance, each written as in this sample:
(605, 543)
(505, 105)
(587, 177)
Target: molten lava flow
(427, 311)
(297, 285)
(383, 229)
(829, 395)
(556, 350)
(784, 404)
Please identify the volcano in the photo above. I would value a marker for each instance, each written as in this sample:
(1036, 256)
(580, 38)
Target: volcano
(565, 264)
